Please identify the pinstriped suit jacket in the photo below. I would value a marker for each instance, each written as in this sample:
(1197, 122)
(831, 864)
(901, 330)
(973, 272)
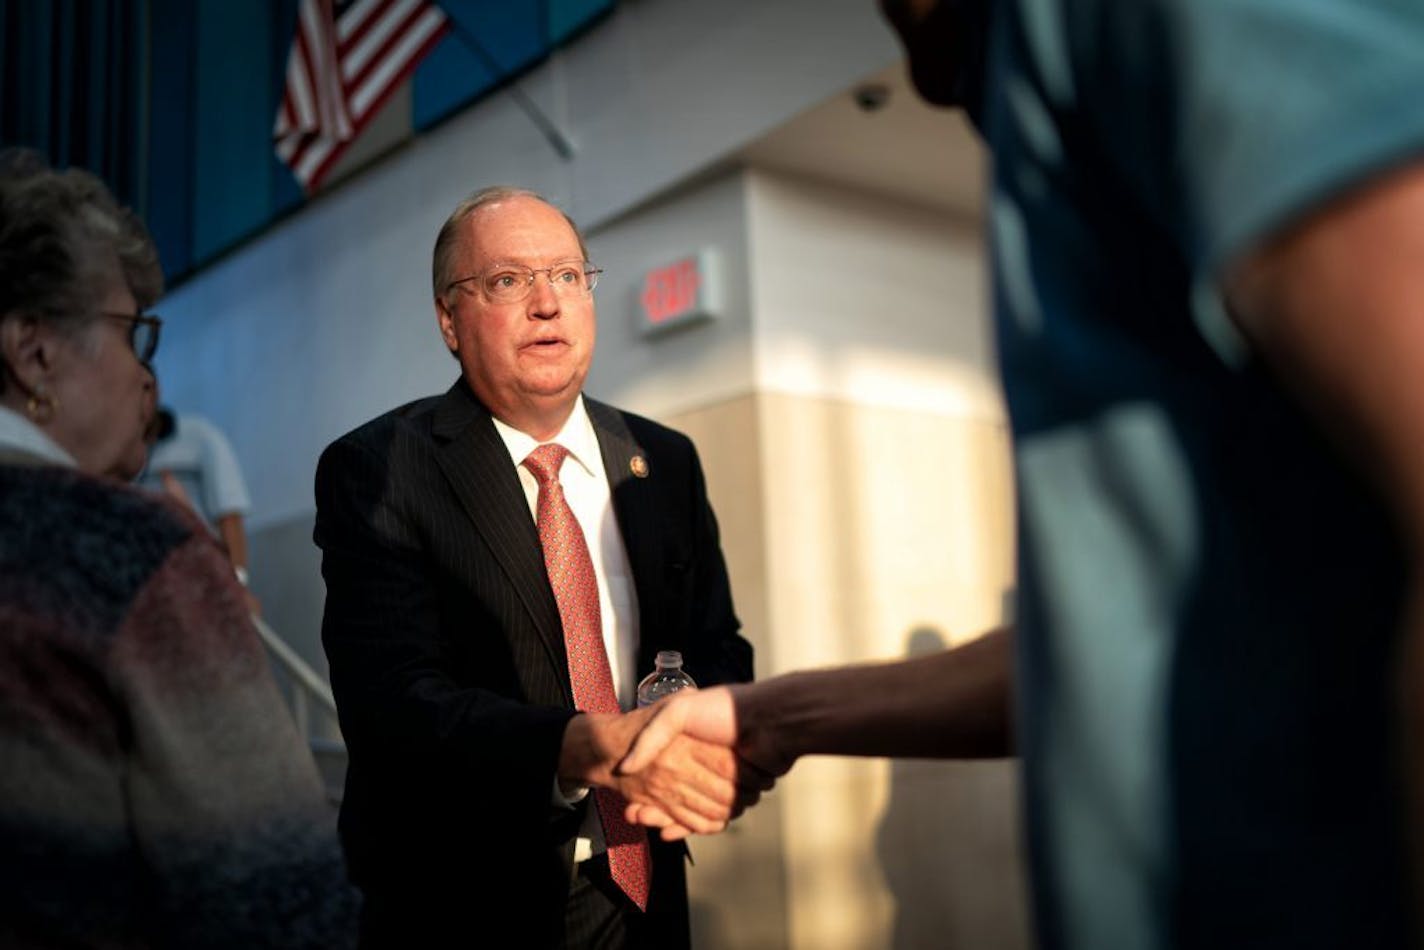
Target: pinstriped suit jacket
(447, 654)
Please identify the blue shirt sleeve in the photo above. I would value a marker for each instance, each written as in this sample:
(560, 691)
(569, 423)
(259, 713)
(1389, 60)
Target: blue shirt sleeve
(223, 486)
(1234, 118)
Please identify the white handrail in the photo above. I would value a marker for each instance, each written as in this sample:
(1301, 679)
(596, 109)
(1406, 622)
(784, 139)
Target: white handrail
(308, 681)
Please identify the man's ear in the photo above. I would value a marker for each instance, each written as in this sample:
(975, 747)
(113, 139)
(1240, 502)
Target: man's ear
(27, 346)
(447, 325)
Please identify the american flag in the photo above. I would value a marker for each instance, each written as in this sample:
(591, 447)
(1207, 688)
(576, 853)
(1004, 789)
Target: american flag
(346, 60)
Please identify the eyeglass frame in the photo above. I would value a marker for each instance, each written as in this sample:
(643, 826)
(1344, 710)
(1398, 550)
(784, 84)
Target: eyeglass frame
(135, 320)
(590, 273)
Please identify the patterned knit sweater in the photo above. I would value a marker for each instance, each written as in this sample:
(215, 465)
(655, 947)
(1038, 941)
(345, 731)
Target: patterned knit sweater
(153, 789)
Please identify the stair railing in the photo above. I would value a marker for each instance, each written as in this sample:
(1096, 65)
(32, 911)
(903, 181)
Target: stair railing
(308, 685)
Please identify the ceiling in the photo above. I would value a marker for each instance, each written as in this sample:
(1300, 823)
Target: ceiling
(890, 142)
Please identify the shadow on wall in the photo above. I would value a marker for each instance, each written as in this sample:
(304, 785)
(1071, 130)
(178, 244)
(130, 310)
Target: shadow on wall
(949, 848)
(737, 886)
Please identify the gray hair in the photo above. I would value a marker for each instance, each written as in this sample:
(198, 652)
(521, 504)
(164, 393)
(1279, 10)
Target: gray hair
(60, 232)
(448, 240)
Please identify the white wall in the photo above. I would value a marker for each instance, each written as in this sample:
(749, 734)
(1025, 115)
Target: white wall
(871, 300)
(683, 367)
(888, 529)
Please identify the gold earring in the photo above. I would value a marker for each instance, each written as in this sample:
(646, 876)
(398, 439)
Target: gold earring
(41, 407)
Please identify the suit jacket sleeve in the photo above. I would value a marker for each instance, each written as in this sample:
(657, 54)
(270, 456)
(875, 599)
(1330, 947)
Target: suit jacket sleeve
(391, 654)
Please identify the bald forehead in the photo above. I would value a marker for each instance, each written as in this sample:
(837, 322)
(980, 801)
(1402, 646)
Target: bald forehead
(516, 205)
(519, 229)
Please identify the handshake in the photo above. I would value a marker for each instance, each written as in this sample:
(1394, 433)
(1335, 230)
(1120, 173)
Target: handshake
(685, 765)
(694, 761)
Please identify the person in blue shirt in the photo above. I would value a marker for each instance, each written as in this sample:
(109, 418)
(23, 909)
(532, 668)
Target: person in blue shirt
(192, 461)
(1207, 224)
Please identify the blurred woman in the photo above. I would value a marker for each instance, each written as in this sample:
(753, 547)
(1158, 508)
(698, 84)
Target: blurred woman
(153, 790)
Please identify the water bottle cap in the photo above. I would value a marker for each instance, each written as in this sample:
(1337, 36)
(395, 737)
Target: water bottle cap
(669, 659)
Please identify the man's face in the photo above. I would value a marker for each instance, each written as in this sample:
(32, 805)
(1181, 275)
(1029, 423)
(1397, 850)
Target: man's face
(938, 36)
(525, 360)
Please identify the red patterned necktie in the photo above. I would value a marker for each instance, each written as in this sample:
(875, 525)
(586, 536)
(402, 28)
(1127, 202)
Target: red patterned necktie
(570, 570)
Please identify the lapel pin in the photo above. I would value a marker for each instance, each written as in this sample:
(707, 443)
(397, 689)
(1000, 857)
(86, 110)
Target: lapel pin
(639, 466)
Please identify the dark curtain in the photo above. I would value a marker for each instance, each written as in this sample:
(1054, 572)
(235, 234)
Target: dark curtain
(171, 102)
(72, 85)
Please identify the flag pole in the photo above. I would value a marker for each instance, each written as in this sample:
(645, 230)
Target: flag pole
(557, 140)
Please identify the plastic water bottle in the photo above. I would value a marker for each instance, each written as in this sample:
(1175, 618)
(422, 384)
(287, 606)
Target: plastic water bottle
(667, 679)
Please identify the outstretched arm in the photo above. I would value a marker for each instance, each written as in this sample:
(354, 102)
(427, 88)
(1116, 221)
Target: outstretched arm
(234, 538)
(953, 704)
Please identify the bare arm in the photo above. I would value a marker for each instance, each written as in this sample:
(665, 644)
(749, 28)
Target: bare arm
(949, 705)
(953, 704)
(234, 538)
(1336, 305)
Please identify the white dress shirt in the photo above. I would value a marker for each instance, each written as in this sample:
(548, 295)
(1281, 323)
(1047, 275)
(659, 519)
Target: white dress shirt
(585, 486)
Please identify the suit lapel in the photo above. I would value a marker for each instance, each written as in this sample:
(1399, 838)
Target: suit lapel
(477, 465)
(634, 510)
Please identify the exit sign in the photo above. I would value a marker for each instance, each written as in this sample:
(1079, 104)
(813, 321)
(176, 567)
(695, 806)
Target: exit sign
(684, 291)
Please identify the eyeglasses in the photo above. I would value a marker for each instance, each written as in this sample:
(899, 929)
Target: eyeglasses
(511, 283)
(143, 332)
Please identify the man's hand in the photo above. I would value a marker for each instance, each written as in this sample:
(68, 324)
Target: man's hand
(692, 783)
(674, 776)
(705, 716)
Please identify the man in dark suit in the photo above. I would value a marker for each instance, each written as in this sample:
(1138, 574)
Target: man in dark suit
(502, 563)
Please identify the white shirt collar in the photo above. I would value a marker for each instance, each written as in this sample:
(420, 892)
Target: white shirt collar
(22, 440)
(577, 436)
